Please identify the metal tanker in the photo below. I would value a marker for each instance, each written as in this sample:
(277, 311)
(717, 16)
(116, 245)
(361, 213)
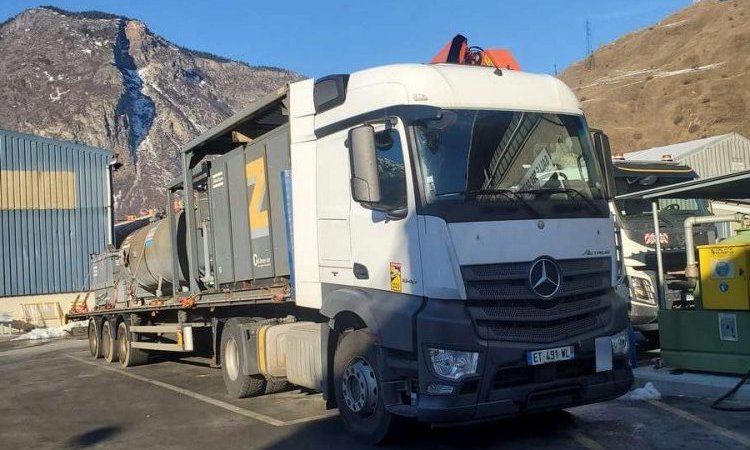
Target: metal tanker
(143, 264)
(146, 256)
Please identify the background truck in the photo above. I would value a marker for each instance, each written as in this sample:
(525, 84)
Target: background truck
(636, 225)
(427, 242)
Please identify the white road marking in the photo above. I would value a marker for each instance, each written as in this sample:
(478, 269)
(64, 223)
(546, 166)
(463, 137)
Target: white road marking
(744, 440)
(212, 401)
(312, 418)
(586, 441)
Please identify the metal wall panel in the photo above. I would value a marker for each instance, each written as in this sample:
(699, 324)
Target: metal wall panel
(722, 157)
(52, 213)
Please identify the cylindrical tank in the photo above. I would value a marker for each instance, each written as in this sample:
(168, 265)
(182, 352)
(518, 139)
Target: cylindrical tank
(147, 255)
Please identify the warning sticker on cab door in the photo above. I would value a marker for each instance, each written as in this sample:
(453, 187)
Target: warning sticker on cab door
(396, 277)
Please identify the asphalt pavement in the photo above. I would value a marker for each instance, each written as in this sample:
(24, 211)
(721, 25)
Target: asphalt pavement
(54, 396)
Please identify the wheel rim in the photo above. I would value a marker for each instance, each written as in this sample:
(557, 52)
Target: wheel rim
(231, 359)
(122, 338)
(106, 344)
(93, 344)
(360, 387)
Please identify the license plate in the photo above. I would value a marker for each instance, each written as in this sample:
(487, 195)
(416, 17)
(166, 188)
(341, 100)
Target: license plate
(549, 355)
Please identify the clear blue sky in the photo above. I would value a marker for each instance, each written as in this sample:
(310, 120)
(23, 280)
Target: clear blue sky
(321, 37)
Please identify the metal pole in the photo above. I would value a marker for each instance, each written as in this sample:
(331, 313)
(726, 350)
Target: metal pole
(661, 291)
(173, 240)
(109, 207)
(189, 212)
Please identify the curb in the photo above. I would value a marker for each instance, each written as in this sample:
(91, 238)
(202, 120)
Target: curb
(691, 384)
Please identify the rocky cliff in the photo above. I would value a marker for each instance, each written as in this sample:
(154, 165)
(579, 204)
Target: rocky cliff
(107, 81)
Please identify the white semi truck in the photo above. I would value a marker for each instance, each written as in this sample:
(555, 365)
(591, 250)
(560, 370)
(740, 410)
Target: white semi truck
(638, 241)
(424, 242)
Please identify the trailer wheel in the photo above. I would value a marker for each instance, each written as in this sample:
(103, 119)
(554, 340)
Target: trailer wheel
(129, 356)
(232, 361)
(109, 346)
(95, 339)
(357, 387)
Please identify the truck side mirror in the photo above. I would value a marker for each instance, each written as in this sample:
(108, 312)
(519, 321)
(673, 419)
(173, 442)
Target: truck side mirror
(364, 164)
(604, 155)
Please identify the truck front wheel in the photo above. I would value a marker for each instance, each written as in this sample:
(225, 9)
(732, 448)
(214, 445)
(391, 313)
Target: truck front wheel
(357, 386)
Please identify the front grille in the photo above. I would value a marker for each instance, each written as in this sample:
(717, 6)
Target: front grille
(504, 308)
(541, 331)
(522, 310)
(510, 281)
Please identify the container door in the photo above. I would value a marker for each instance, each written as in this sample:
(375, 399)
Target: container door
(221, 224)
(258, 217)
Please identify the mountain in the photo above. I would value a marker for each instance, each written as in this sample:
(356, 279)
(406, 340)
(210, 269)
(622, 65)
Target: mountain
(685, 78)
(107, 81)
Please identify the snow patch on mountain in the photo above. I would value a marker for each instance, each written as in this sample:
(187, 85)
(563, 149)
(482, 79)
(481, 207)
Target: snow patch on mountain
(137, 107)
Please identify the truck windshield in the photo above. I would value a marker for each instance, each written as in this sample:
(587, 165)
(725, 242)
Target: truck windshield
(526, 158)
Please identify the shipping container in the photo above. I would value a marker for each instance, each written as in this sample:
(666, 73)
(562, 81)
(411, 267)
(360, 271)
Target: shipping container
(54, 200)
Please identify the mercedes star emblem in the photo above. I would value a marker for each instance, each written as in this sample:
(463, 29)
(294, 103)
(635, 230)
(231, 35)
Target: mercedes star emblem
(545, 277)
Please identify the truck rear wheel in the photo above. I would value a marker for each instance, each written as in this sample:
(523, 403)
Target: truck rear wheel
(233, 360)
(357, 386)
(129, 356)
(95, 340)
(109, 346)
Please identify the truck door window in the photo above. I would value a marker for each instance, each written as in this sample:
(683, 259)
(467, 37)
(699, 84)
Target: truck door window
(391, 169)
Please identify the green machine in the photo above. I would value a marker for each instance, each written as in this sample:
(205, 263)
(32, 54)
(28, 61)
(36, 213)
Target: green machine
(709, 328)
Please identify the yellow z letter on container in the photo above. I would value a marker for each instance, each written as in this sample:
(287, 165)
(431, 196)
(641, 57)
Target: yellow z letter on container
(255, 172)
(396, 277)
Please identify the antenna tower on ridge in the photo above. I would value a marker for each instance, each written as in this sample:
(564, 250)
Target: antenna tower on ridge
(589, 51)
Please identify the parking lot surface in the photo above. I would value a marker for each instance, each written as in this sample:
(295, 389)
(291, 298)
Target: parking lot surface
(53, 395)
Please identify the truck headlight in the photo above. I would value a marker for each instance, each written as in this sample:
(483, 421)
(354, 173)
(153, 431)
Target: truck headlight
(621, 343)
(641, 289)
(452, 364)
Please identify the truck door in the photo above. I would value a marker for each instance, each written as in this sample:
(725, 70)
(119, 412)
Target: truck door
(385, 250)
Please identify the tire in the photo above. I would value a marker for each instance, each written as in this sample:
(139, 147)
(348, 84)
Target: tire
(128, 355)
(109, 345)
(357, 387)
(232, 361)
(274, 385)
(652, 338)
(95, 340)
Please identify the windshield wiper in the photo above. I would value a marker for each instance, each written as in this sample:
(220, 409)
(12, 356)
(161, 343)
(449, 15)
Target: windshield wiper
(569, 191)
(507, 193)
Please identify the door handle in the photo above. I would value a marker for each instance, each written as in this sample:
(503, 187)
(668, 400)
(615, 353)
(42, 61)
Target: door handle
(360, 272)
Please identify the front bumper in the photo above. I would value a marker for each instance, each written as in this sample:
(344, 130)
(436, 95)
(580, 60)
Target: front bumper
(505, 385)
(643, 315)
(536, 397)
